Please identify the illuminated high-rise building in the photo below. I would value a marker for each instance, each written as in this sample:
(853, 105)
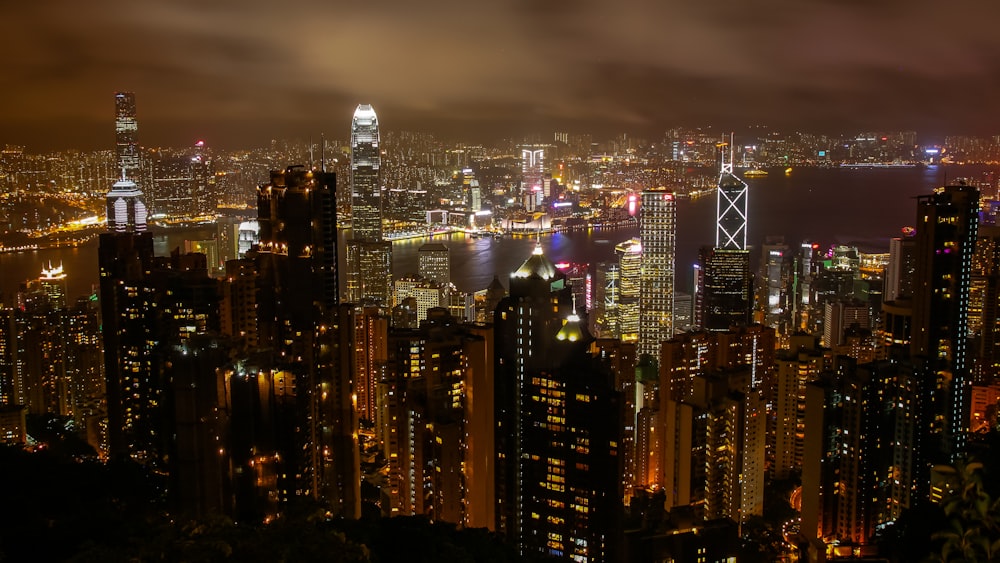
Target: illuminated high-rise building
(724, 289)
(900, 270)
(947, 226)
(724, 284)
(730, 208)
(629, 255)
(127, 135)
(657, 232)
(126, 208)
(53, 283)
(369, 258)
(435, 263)
(984, 304)
(436, 421)
(532, 168)
(366, 179)
(557, 472)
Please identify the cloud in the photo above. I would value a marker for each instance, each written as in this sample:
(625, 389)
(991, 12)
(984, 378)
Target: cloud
(638, 62)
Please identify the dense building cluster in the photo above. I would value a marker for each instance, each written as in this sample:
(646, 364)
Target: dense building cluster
(585, 412)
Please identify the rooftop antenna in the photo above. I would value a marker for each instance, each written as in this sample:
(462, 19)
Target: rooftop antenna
(727, 167)
(322, 152)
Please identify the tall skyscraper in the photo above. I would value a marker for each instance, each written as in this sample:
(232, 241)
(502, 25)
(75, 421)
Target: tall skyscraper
(532, 168)
(366, 179)
(369, 258)
(657, 231)
(559, 423)
(947, 226)
(724, 292)
(127, 135)
(730, 208)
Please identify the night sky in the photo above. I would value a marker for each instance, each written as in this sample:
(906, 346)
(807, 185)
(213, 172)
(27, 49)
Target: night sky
(239, 72)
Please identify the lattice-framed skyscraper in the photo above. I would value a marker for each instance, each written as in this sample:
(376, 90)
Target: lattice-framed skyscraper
(724, 292)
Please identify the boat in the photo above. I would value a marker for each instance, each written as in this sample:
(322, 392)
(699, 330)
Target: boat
(788, 171)
(755, 173)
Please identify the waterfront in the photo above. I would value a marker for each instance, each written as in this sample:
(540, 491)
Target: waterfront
(852, 206)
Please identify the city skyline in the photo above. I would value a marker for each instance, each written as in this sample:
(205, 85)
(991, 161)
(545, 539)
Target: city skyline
(566, 66)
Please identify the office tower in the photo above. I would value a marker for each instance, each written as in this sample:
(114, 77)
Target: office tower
(657, 232)
(630, 258)
(532, 168)
(730, 207)
(53, 284)
(435, 263)
(366, 180)
(901, 268)
(724, 289)
(772, 298)
(604, 315)
(126, 209)
(724, 285)
(126, 136)
(947, 223)
(806, 265)
(369, 258)
(557, 451)
(41, 353)
(203, 200)
(301, 320)
(249, 235)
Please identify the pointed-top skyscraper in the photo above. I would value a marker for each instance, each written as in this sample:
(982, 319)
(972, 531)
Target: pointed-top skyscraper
(731, 206)
(724, 283)
(126, 209)
(369, 258)
(366, 194)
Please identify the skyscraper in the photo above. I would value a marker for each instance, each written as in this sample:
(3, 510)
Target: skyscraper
(126, 208)
(126, 135)
(559, 423)
(366, 188)
(730, 208)
(947, 226)
(369, 258)
(724, 292)
(657, 231)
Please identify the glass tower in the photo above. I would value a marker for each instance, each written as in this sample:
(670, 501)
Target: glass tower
(657, 233)
(366, 195)
(126, 134)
